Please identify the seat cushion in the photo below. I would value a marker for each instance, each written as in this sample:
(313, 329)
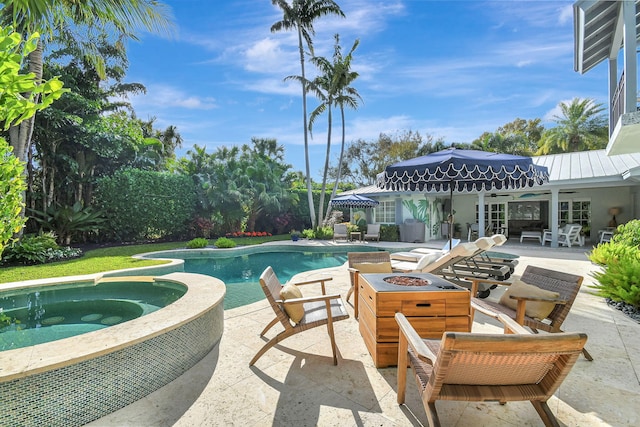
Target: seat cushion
(536, 309)
(294, 311)
(373, 267)
(406, 256)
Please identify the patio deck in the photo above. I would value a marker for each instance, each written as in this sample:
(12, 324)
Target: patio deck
(296, 383)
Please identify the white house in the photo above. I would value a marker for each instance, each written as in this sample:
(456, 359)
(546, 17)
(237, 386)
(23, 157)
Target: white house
(584, 188)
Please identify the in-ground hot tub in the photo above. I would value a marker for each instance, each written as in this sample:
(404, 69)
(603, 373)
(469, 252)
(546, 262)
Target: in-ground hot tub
(72, 381)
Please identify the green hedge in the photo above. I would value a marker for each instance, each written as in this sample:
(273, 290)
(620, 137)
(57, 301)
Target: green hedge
(389, 233)
(142, 205)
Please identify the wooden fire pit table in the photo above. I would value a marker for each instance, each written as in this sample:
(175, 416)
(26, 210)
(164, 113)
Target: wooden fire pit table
(431, 304)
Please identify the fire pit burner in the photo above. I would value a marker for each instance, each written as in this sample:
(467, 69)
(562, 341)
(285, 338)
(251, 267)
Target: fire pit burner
(407, 281)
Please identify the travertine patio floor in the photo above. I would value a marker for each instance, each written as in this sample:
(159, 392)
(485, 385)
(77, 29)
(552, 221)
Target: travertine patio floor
(296, 384)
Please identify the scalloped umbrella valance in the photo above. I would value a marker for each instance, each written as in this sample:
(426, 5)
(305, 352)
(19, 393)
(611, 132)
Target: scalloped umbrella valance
(353, 201)
(463, 171)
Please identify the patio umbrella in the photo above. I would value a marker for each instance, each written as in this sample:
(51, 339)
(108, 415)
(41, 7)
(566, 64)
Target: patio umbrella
(462, 171)
(353, 201)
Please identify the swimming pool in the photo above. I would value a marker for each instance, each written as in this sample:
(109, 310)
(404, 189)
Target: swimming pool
(240, 268)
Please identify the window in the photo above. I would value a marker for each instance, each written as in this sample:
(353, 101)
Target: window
(494, 217)
(520, 211)
(574, 212)
(385, 212)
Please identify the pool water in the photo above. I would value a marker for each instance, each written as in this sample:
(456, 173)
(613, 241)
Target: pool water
(241, 273)
(45, 314)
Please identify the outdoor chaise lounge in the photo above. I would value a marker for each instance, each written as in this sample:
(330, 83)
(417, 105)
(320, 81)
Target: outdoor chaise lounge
(541, 307)
(516, 366)
(447, 267)
(475, 265)
(297, 313)
(430, 263)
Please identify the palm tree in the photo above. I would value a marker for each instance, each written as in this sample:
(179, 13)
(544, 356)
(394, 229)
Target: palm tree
(581, 127)
(49, 16)
(300, 15)
(348, 97)
(336, 80)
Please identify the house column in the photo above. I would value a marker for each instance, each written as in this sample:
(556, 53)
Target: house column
(630, 56)
(555, 193)
(613, 86)
(481, 223)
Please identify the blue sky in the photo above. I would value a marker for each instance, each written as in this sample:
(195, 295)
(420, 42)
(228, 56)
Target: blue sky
(450, 69)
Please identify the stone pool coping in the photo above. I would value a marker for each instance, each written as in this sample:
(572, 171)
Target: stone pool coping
(203, 292)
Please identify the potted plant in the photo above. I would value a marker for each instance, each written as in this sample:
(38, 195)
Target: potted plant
(295, 235)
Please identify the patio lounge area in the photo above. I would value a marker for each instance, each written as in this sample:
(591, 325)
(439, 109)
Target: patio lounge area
(296, 383)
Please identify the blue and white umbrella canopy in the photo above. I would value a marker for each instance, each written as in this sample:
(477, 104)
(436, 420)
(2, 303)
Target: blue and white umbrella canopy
(353, 201)
(463, 171)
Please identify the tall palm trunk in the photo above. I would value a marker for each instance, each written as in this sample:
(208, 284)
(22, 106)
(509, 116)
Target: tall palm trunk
(339, 174)
(312, 210)
(326, 164)
(20, 135)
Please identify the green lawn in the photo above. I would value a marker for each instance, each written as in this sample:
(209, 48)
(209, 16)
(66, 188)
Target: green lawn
(107, 259)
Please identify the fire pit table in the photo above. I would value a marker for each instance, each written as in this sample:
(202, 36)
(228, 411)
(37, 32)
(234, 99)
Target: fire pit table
(431, 304)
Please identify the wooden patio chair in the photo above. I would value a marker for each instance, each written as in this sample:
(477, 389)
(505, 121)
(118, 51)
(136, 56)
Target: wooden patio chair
(365, 262)
(316, 311)
(565, 284)
(473, 367)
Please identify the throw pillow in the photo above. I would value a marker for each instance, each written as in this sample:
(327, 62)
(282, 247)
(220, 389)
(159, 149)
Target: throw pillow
(373, 267)
(536, 309)
(294, 311)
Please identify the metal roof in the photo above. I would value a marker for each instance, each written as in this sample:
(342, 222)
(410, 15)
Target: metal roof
(597, 32)
(583, 169)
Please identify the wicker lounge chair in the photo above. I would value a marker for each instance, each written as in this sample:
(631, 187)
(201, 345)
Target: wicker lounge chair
(565, 284)
(487, 367)
(365, 262)
(318, 311)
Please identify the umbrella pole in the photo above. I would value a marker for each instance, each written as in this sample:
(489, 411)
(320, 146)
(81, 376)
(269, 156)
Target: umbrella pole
(450, 215)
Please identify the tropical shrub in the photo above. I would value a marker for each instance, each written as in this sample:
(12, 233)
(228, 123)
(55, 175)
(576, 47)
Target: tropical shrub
(389, 233)
(308, 233)
(223, 242)
(324, 233)
(68, 222)
(619, 276)
(202, 227)
(11, 187)
(197, 243)
(628, 234)
(37, 249)
(142, 205)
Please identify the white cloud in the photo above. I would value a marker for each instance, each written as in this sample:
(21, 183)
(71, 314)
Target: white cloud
(162, 96)
(566, 14)
(267, 56)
